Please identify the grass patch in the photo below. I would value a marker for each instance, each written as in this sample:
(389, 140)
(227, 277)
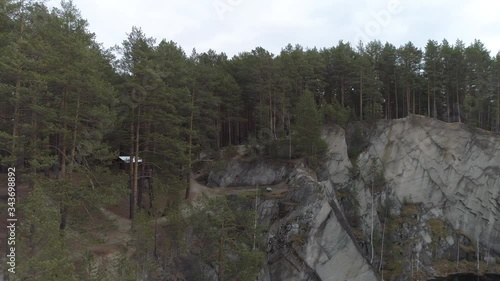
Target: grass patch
(437, 227)
(410, 210)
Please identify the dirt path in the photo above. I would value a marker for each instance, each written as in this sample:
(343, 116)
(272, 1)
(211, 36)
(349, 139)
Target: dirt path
(122, 233)
(198, 189)
(120, 238)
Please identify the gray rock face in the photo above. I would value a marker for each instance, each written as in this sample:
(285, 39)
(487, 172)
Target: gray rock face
(338, 164)
(240, 173)
(452, 169)
(448, 173)
(306, 241)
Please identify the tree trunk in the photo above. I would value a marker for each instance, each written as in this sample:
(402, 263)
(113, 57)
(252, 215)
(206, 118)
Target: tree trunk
(63, 209)
(428, 100)
(34, 139)
(140, 186)
(388, 105)
(136, 157)
(458, 105)
(190, 149)
(289, 137)
(434, 103)
(17, 93)
(477, 253)
(396, 96)
(414, 111)
(498, 108)
(448, 101)
(371, 234)
(271, 127)
(221, 253)
(382, 249)
(361, 97)
(63, 138)
(255, 219)
(408, 99)
(75, 130)
(230, 131)
(131, 168)
(16, 110)
(342, 90)
(458, 251)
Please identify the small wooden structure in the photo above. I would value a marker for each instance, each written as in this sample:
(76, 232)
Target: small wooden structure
(123, 162)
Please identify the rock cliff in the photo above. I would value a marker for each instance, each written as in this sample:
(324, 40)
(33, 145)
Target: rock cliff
(420, 200)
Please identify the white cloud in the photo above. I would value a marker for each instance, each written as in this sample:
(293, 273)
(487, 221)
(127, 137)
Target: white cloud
(273, 23)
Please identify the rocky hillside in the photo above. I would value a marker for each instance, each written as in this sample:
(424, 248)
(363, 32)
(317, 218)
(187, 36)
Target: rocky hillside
(419, 200)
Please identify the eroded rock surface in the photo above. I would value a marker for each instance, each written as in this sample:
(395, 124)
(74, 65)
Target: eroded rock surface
(429, 189)
(306, 240)
(243, 173)
(452, 169)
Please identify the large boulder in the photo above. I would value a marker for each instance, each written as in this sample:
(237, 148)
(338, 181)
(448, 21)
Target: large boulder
(249, 173)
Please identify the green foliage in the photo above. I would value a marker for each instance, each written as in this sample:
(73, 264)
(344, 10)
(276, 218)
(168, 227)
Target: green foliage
(66, 102)
(41, 244)
(143, 237)
(337, 114)
(278, 149)
(350, 205)
(226, 229)
(356, 144)
(307, 139)
(252, 148)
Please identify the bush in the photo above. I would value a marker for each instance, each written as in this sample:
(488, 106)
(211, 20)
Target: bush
(337, 114)
(278, 149)
(356, 144)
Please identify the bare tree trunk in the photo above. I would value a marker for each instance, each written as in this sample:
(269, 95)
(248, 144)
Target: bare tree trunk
(136, 157)
(230, 132)
(428, 100)
(382, 249)
(434, 104)
(34, 139)
(458, 252)
(458, 107)
(255, 219)
(131, 168)
(63, 208)
(289, 137)
(371, 234)
(140, 185)
(63, 137)
(17, 93)
(388, 105)
(396, 96)
(221, 254)
(408, 100)
(448, 101)
(342, 90)
(414, 110)
(477, 243)
(17, 96)
(498, 108)
(75, 129)
(361, 97)
(271, 127)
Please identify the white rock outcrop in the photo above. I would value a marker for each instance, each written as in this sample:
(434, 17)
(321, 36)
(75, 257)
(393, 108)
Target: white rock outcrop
(451, 168)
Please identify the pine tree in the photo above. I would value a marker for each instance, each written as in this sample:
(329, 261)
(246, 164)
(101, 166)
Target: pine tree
(432, 70)
(307, 141)
(409, 59)
(42, 245)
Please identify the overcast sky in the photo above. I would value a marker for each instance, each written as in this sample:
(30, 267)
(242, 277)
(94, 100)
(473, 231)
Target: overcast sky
(233, 26)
